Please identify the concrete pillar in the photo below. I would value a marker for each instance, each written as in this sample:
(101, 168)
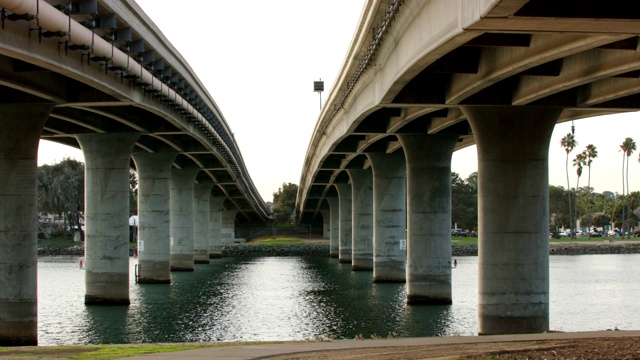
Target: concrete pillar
(154, 174)
(106, 206)
(326, 223)
(182, 218)
(362, 191)
(202, 193)
(513, 216)
(334, 240)
(389, 217)
(20, 127)
(215, 227)
(428, 217)
(346, 221)
(228, 226)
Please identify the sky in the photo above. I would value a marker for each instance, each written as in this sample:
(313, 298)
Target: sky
(258, 60)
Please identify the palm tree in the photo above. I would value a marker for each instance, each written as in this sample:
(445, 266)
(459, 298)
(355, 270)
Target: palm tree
(578, 162)
(628, 147)
(591, 152)
(568, 142)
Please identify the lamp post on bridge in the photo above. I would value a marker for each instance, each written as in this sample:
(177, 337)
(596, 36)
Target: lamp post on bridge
(318, 86)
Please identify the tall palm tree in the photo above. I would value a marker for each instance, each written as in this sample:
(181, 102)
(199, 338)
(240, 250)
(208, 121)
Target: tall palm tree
(568, 142)
(591, 152)
(628, 147)
(579, 161)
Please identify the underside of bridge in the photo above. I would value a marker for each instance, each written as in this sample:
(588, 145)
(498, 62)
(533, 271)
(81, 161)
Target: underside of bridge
(126, 102)
(579, 56)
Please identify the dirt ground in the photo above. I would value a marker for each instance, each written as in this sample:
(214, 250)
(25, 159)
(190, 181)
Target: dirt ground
(597, 349)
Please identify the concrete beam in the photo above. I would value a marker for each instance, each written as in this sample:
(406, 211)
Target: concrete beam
(389, 217)
(154, 176)
(513, 219)
(20, 128)
(428, 217)
(107, 158)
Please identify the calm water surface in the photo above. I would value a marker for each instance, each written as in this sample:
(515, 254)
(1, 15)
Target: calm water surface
(296, 298)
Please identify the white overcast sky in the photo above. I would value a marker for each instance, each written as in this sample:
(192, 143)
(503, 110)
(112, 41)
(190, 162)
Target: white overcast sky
(258, 60)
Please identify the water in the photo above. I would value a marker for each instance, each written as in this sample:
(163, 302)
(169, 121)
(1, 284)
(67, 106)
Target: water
(303, 298)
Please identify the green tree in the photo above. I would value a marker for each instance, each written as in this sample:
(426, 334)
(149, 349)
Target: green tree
(557, 208)
(464, 201)
(133, 192)
(579, 161)
(568, 142)
(627, 147)
(284, 201)
(591, 152)
(61, 191)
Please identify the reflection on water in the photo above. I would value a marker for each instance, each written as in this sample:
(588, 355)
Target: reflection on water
(299, 298)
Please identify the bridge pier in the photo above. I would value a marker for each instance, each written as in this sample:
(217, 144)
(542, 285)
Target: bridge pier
(20, 128)
(334, 235)
(106, 217)
(229, 226)
(513, 216)
(154, 173)
(326, 223)
(215, 227)
(182, 218)
(346, 220)
(362, 200)
(428, 217)
(389, 217)
(201, 194)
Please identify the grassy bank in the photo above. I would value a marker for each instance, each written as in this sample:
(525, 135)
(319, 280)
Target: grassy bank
(105, 352)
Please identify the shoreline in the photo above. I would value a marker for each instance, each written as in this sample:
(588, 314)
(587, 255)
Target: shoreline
(321, 248)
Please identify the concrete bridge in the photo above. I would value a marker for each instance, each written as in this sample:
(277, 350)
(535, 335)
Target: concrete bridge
(99, 75)
(422, 79)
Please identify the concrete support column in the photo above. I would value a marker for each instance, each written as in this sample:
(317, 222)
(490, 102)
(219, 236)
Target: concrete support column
(154, 174)
(20, 128)
(228, 226)
(346, 223)
(334, 239)
(428, 217)
(182, 218)
(202, 193)
(362, 191)
(326, 223)
(106, 205)
(215, 227)
(513, 218)
(389, 217)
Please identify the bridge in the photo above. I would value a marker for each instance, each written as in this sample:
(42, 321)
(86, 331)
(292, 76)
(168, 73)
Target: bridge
(423, 79)
(99, 75)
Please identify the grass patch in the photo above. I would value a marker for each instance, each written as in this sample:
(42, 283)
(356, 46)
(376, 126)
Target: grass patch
(106, 352)
(280, 241)
(57, 243)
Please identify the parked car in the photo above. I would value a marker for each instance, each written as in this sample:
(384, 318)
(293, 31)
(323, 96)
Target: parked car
(459, 232)
(596, 233)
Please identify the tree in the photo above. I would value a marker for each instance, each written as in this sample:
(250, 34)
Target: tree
(568, 142)
(133, 193)
(579, 161)
(464, 201)
(284, 201)
(591, 152)
(557, 210)
(627, 147)
(61, 191)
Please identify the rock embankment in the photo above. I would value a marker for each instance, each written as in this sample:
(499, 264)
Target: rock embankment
(576, 248)
(254, 250)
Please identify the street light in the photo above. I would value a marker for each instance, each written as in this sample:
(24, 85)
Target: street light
(318, 86)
